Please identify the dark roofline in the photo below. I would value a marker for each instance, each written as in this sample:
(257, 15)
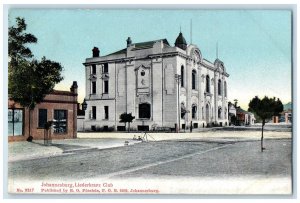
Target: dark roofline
(140, 45)
(61, 92)
(242, 110)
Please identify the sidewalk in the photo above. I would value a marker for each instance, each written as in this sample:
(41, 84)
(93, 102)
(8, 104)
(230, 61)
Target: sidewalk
(195, 135)
(91, 141)
(36, 149)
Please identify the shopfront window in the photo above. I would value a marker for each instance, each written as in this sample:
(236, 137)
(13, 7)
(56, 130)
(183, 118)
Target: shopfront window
(15, 122)
(60, 121)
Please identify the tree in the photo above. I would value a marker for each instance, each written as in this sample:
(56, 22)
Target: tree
(126, 118)
(17, 41)
(265, 108)
(29, 80)
(235, 103)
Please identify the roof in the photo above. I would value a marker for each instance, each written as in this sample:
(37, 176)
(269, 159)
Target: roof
(180, 40)
(61, 92)
(141, 45)
(240, 110)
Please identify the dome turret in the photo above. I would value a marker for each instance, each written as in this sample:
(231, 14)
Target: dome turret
(180, 42)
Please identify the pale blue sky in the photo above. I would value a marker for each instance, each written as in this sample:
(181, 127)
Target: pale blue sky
(255, 45)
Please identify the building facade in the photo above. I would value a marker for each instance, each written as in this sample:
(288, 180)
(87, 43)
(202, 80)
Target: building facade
(58, 106)
(244, 117)
(161, 85)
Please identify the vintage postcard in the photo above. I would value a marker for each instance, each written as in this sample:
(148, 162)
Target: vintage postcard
(150, 101)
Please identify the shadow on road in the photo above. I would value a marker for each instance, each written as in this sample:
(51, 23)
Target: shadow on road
(67, 148)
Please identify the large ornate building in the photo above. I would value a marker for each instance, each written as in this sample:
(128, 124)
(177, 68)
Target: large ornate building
(163, 86)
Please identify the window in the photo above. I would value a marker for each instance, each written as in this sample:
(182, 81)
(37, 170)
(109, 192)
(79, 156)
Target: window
(219, 112)
(194, 79)
(15, 122)
(105, 112)
(105, 68)
(225, 89)
(182, 76)
(219, 87)
(207, 84)
(194, 111)
(105, 86)
(42, 118)
(142, 73)
(94, 87)
(144, 110)
(94, 69)
(94, 112)
(183, 110)
(60, 121)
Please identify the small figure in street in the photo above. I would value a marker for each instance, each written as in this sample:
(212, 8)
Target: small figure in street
(191, 127)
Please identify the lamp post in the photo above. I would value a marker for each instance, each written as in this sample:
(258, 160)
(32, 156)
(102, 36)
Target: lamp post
(84, 106)
(178, 81)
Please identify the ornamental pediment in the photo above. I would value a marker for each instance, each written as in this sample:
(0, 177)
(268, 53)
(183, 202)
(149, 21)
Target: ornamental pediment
(141, 67)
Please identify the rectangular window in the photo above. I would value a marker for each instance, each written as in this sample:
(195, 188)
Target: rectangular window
(105, 112)
(94, 69)
(15, 122)
(94, 87)
(105, 86)
(94, 112)
(105, 68)
(42, 118)
(60, 121)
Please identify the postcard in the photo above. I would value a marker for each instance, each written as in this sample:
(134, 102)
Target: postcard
(154, 101)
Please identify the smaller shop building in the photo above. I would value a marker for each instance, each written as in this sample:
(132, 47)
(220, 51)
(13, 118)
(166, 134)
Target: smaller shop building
(58, 106)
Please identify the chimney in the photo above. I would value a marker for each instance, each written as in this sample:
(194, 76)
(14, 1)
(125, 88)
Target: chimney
(96, 52)
(129, 42)
(74, 87)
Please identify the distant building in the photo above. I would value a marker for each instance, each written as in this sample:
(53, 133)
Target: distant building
(231, 114)
(80, 119)
(286, 115)
(58, 106)
(244, 117)
(161, 85)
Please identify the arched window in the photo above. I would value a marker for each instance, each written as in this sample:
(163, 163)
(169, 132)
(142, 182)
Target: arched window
(144, 110)
(219, 87)
(194, 111)
(207, 84)
(219, 112)
(182, 76)
(183, 110)
(225, 89)
(194, 79)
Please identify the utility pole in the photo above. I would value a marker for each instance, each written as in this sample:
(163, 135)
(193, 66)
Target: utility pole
(178, 81)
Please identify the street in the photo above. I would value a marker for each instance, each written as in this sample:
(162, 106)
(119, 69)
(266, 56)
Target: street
(205, 161)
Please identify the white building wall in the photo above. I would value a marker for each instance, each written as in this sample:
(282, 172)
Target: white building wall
(126, 92)
(157, 90)
(170, 89)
